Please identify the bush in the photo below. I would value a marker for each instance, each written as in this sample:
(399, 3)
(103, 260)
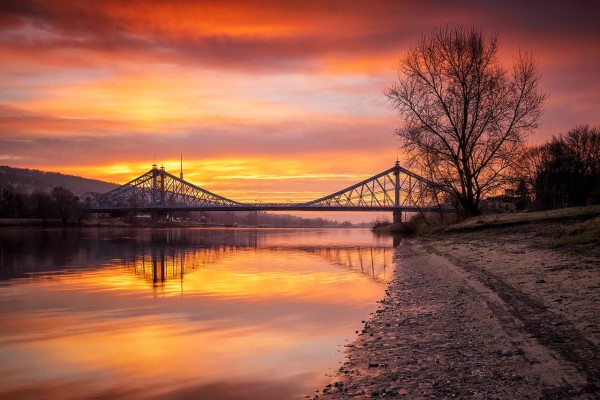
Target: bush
(379, 222)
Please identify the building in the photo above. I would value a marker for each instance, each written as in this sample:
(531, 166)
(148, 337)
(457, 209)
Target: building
(506, 202)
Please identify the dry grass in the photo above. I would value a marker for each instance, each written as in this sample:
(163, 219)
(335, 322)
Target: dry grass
(575, 214)
(403, 229)
(581, 233)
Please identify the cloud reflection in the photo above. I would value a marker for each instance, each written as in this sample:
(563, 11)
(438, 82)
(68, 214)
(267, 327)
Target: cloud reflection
(212, 305)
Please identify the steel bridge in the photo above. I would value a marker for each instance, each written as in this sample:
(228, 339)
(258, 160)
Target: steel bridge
(396, 189)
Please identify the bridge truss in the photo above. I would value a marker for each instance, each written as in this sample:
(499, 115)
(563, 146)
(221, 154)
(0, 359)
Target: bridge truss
(158, 189)
(395, 189)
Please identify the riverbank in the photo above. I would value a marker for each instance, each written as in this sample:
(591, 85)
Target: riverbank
(111, 223)
(497, 311)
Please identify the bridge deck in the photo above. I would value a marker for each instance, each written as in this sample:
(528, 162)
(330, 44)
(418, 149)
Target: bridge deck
(270, 207)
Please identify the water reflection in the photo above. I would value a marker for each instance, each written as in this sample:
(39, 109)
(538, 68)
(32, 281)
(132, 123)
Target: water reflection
(243, 314)
(160, 264)
(161, 255)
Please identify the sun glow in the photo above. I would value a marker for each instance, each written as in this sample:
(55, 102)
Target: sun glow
(249, 179)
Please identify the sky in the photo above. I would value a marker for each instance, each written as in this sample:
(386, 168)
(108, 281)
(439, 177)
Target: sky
(265, 100)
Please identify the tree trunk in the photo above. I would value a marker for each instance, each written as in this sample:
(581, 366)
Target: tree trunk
(469, 207)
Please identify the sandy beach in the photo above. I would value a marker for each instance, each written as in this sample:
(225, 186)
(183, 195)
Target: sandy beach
(504, 313)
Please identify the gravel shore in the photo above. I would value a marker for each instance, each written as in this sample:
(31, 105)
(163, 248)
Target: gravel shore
(497, 314)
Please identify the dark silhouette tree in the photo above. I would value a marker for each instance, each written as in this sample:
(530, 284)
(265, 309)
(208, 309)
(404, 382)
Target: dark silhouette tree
(523, 195)
(65, 203)
(12, 203)
(41, 205)
(464, 115)
(528, 167)
(569, 169)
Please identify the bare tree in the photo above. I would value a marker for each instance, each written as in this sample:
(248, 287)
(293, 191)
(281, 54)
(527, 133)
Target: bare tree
(465, 116)
(528, 166)
(65, 202)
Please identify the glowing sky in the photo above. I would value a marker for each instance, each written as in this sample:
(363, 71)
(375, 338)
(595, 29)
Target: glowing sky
(271, 100)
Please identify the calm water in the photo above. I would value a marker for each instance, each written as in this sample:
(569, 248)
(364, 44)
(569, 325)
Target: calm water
(182, 313)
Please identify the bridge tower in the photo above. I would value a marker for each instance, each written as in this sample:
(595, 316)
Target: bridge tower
(157, 194)
(397, 213)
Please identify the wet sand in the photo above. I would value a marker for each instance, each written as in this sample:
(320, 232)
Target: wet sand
(492, 314)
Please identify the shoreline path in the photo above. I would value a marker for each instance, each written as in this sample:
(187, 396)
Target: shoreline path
(495, 315)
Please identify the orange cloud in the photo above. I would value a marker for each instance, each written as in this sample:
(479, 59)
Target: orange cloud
(266, 99)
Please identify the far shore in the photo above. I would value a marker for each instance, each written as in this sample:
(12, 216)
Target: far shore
(502, 307)
(116, 223)
(92, 223)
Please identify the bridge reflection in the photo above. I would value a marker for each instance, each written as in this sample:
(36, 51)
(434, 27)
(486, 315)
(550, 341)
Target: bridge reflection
(376, 262)
(158, 265)
(161, 264)
(162, 257)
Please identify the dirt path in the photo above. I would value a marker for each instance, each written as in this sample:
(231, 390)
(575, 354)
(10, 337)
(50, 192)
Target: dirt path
(481, 316)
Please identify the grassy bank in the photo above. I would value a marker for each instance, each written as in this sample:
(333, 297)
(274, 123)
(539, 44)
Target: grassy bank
(577, 228)
(573, 214)
(575, 225)
(405, 228)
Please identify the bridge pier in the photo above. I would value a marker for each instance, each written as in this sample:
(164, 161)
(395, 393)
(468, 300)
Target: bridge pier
(158, 217)
(397, 216)
(397, 213)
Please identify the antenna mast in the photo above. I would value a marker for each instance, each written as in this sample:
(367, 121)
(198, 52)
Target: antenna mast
(181, 168)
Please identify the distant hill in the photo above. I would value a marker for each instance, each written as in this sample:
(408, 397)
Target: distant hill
(28, 180)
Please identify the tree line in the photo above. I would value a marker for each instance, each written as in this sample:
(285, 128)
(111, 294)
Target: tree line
(563, 172)
(59, 203)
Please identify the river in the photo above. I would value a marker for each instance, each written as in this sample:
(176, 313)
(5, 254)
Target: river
(182, 313)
